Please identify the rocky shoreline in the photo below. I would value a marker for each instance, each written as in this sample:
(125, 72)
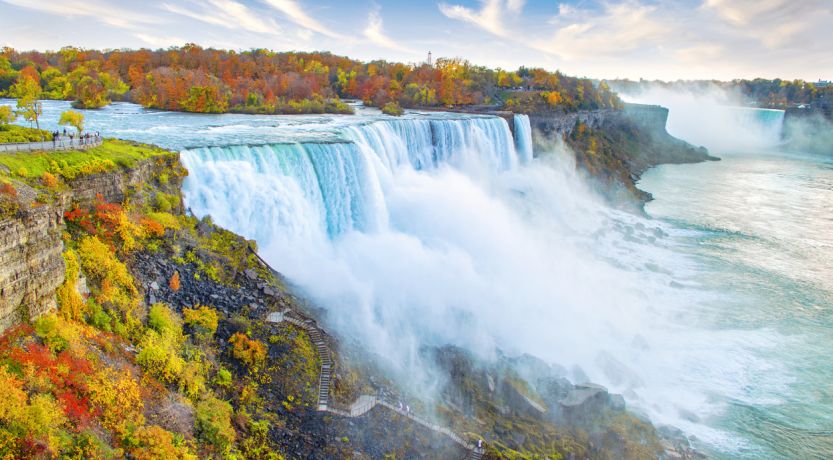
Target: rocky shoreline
(613, 147)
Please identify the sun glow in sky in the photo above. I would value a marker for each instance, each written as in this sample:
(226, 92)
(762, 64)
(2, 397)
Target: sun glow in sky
(665, 39)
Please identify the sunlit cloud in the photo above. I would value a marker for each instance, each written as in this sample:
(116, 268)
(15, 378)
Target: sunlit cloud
(600, 38)
(376, 34)
(159, 42)
(774, 22)
(295, 13)
(226, 13)
(490, 17)
(99, 11)
(613, 31)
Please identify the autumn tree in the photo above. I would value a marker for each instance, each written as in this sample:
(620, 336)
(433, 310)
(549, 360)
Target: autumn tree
(8, 76)
(174, 282)
(74, 119)
(7, 115)
(204, 80)
(202, 320)
(28, 92)
(251, 352)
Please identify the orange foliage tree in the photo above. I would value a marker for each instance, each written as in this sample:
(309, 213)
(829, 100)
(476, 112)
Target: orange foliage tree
(174, 282)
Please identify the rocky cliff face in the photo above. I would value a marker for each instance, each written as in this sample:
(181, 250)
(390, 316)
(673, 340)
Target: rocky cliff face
(615, 147)
(546, 126)
(31, 264)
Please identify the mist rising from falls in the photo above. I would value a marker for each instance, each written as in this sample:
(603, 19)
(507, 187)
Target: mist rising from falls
(422, 232)
(715, 119)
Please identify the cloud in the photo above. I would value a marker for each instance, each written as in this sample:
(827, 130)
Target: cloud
(616, 29)
(100, 11)
(296, 14)
(160, 42)
(489, 17)
(226, 13)
(376, 34)
(699, 54)
(774, 23)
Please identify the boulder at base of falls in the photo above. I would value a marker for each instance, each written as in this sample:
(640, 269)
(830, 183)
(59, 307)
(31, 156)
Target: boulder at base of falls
(583, 402)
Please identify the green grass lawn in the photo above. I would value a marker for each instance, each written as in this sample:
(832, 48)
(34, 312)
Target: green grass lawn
(70, 164)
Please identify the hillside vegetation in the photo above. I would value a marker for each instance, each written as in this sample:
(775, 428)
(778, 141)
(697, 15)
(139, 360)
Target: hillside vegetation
(115, 374)
(194, 79)
(14, 133)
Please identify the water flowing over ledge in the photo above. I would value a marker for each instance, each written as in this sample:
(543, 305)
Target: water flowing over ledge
(337, 185)
(523, 138)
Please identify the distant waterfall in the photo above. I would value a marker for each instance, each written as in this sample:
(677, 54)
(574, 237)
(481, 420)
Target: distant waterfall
(264, 190)
(767, 124)
(523, 138)
(725, 129)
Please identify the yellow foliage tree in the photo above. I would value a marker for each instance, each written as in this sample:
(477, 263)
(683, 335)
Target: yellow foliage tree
(250, 351)
(74, 119)
(154, 442)
(202, 320)
(70, 302)
(117, 394)
(27, 90)
(99, 262)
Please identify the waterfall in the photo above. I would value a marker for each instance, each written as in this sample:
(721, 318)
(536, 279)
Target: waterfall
(424, 231)
(336, 186)
(766, 124)
(523, 138)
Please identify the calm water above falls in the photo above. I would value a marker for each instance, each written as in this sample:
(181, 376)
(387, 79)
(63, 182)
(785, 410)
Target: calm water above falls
(715, 315)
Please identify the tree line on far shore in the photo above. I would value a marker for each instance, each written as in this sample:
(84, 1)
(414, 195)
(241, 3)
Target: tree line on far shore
(194, 79)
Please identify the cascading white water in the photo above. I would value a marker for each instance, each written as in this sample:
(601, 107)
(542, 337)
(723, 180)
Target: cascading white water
(523, 137)
(429, 231)
(341, 181)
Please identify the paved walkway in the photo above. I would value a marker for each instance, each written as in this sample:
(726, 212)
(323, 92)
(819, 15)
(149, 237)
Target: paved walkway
(363, 403)
(64, 143)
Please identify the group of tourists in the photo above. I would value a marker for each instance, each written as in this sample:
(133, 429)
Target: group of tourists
(83, 139)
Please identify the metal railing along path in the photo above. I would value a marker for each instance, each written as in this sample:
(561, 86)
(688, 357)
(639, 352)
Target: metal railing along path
(60, 144)
(364, 403)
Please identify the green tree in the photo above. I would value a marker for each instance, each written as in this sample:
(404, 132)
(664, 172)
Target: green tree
(73, 118)
(90, 94)
(28, 92)
(7, 75)
(56, 84)
(213, 423)
(7, 115)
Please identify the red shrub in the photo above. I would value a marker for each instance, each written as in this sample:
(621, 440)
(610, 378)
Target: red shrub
(76, 408)
(8, 189)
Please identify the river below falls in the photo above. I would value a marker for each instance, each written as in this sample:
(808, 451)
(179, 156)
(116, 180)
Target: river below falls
(760, 226)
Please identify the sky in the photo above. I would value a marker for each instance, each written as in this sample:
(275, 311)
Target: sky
(668, 40)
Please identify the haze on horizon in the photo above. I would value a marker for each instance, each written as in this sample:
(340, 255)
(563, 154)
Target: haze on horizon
(669, 40)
